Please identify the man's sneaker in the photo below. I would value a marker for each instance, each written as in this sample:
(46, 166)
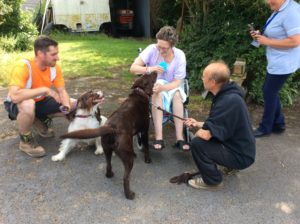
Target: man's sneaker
(227, 171)
(30, 147)
(198, 183)
(43, 128)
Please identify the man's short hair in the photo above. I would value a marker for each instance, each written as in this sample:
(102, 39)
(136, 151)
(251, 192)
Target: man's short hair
(168, 33)
(220, 72)
(42, 43)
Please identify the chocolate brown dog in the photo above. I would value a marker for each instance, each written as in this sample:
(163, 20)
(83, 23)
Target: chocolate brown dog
(117, 134)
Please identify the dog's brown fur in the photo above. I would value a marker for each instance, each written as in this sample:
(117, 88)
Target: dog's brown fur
(86, 101)
(117, 134)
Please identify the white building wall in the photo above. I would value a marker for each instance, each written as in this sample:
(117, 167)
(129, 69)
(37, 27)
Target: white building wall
(30, 5)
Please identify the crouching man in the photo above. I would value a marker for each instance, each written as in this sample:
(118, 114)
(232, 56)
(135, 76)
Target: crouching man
(30, 98)
(225, 138)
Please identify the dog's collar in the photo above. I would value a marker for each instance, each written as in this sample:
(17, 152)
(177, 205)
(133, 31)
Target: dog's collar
(141, 92)
(83, 116)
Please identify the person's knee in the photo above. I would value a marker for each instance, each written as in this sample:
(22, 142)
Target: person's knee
(27, 106)
(197, 144)
(177, 97)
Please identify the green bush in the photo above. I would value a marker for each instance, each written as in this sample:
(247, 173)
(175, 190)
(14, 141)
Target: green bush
(164, 12)
(7, 43)
(4, 10)
(17, 31)
(27, 32)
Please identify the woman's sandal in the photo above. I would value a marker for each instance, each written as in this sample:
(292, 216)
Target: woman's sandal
(160, 142)
(180, 143)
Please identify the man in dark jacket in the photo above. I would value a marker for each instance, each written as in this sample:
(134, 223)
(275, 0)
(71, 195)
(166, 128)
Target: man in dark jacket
(226, 137)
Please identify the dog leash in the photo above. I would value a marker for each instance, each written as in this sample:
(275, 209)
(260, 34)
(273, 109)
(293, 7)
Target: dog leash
(168, 113)
(66, 110)
(142, 93)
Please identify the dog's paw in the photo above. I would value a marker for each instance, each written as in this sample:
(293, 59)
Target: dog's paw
(130, 195)
(99, 151)
(58, 157)
(109, 174)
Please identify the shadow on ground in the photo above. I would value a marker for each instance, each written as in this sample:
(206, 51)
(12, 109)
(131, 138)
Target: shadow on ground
(76, 190)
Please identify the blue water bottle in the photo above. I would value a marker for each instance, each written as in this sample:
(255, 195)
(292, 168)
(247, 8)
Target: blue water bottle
(164, 65)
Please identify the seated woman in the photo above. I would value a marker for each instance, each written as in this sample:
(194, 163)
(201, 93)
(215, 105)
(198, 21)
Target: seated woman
(170, 64)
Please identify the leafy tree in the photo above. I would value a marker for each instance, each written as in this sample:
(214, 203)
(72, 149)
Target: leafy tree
(16, 29)
(164, 12)
(12, 18)
(4, 10)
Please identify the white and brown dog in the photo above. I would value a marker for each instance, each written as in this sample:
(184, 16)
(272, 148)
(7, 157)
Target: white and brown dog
(86, 115)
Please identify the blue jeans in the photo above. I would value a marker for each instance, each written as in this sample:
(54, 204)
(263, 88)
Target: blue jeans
(272, 116)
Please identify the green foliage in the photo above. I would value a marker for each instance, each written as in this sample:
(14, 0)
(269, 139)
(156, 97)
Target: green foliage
(16, 31)
(290, 91)
(222, 33)
(12, 19)
(4, 10)
(164, 12)
(167, 10)
(7, 43)
(27, 32)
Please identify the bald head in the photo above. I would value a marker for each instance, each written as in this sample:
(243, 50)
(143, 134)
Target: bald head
(218, 71)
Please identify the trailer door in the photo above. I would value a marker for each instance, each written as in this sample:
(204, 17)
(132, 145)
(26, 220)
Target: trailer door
(94, 13)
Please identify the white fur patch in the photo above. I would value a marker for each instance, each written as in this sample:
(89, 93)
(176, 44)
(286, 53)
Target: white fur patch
(80, 123)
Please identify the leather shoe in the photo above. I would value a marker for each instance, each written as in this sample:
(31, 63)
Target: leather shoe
(257, 133)
(278, 129)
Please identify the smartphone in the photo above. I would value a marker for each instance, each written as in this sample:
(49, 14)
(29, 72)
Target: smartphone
(251, 27)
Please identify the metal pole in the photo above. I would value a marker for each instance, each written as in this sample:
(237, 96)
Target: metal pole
(44, 16)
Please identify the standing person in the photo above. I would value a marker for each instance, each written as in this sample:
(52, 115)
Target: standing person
(30, 98)
(225, 137)
(170, 64)
(281, 36)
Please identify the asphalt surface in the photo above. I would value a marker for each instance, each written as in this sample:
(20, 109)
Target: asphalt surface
(77, 191)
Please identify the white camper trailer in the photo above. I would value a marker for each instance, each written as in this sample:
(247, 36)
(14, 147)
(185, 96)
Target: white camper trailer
(79, 15)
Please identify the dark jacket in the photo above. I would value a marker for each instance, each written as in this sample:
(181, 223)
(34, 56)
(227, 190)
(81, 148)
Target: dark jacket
(229, 122)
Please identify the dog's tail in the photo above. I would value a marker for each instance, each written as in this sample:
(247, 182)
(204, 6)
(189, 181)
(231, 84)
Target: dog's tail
(89, 133)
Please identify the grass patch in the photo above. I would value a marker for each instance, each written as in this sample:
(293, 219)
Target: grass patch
(197, 104)
(85, 55)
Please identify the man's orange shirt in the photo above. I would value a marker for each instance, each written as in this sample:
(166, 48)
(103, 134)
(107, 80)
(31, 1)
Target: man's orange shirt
(20, 75)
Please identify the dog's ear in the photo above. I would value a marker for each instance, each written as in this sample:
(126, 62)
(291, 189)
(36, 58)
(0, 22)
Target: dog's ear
(70, 116)
(98, 115)
(138, 83)
(82, 100)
